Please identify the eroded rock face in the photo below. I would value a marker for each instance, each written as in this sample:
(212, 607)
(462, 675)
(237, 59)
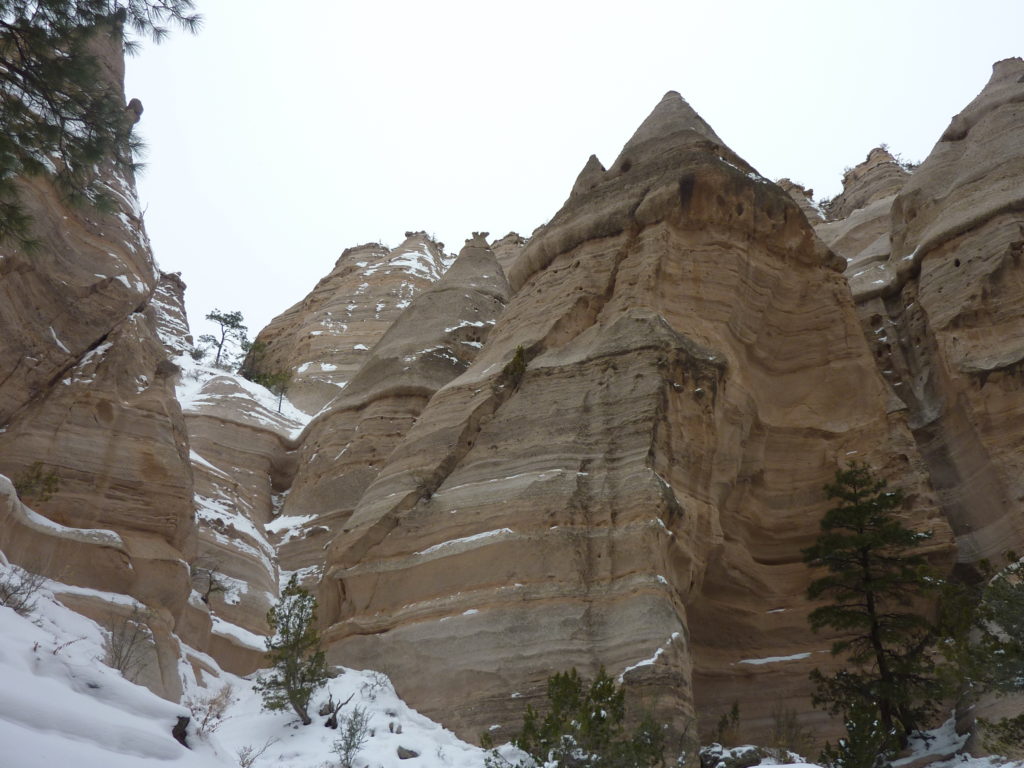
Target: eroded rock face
(105, 419)
(239, 453)
(325, 338)
(431, 343)
(857, 226)
(804, 198)
(87, 393)
(627, 472)
(90, 271)
(942, 311)
(880, 176)
(507, 249)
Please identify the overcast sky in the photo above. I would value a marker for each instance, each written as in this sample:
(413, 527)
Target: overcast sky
(284, 133)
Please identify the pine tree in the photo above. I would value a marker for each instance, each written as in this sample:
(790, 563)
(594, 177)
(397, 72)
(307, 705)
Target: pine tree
(584, 726)
(299, 668)
(876, 582)
(60, 113)
(997, 661)
(232, 329)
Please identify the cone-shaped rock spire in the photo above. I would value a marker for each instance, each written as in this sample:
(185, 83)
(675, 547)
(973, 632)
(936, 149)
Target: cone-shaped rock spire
(672, 115)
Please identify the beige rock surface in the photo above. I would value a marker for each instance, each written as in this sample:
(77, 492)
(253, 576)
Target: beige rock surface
(90, 271)
(859, 219)
(325, 338)
(879, 176)
(638, 496)
(88, 330)
(239, 449)
(803, 197)
(946, 323)
(112, 431)
(432, 342)
(507, 249)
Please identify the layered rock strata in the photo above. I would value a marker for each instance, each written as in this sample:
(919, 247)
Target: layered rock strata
(431, 343)
(942, 311)
(239, 450)
(627, 472)
(858, 223)
(804, 198)
(87, 398)
(325, 338)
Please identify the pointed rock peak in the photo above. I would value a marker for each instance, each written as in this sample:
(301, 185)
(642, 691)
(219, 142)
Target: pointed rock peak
(879, 162)
(1007, 67)
(672, 115)
(880, 175)
(879, 155)
(591, 174)
(1004, 87)
(477, 268)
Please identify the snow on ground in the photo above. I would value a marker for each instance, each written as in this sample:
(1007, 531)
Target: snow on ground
(262, 404)
(61, 706)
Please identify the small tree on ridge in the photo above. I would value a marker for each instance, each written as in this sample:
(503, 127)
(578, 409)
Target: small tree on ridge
(232, 330)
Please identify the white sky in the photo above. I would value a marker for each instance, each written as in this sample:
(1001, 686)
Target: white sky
(286, 132)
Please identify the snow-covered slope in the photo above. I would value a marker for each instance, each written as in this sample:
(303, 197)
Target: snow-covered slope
(60, 705)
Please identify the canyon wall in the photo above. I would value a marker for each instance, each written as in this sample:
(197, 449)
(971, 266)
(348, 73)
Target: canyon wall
(934, 265)
(626, 473)
(601, 446)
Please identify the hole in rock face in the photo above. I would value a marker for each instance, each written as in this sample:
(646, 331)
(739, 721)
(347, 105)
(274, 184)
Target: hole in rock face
(105, 411)
(956, 262)
(739, 209)
(626, 165)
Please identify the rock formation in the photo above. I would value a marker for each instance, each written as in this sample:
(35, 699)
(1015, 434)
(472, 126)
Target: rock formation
(804, 198)
(934, 267)
(431, 343)
(626, 473)
(857, 227)
(87, 395)
(507, 249)
(604, 445)
(325, 338)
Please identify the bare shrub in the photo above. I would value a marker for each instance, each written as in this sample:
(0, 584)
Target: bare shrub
(355, 730)
(19, 589)
(249, 754)
(331, 708)
(207, 577)
(208, 712)
(377, 684)
(126, 645)
(789, 740)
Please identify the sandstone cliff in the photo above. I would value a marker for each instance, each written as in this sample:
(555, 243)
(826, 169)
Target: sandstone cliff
(87, 393)
(432, 342)
(626, 473)
(601, 446)
(324, 339)
(937, 279)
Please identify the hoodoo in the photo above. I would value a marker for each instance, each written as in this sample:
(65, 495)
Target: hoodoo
(602, 446)
(626, 473)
